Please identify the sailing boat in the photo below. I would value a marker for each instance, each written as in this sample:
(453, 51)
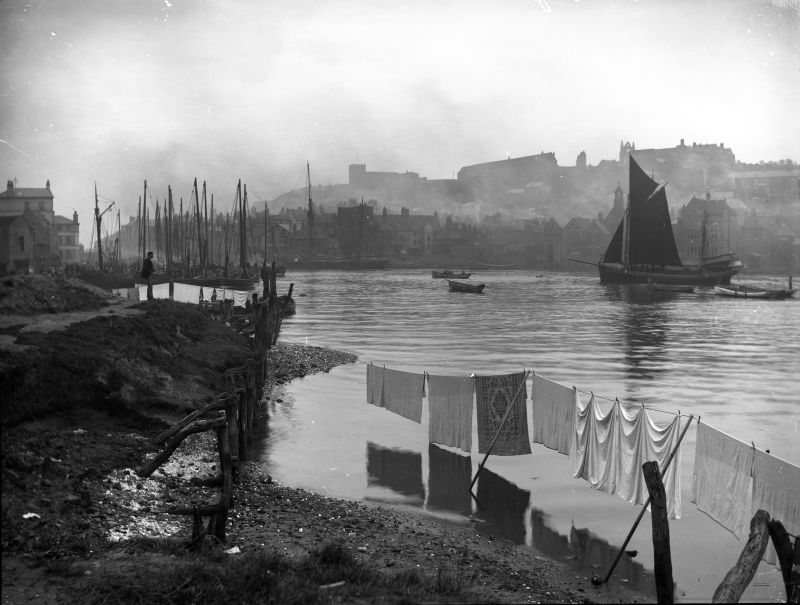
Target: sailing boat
(643, 248)
(342, 263)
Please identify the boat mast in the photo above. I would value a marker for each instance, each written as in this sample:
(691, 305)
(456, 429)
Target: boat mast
(703, 227)
(97, 220)
(266, 211)
(243, 234)
(310, 214)
(144, 214)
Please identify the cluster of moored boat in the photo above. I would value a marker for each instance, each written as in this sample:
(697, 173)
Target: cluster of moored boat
(458, 286)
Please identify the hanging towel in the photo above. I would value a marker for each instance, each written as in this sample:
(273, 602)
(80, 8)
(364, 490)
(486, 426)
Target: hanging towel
(375, 385)
(553, 414)
(161, 291)
(402, 393)
(448, 480)
(450, 409)
(239, 297)
(722, 486)
(186, 293)
(776, 489)
(612, 447)
(494, 394)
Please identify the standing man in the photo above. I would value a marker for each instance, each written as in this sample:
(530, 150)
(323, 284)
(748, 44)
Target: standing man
(147, 272)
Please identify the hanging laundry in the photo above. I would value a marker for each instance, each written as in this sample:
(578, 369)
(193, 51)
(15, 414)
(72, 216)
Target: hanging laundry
(610, 449)
(161, 291)
(239, 297)
(776, 489)
(643, 440)
(186, 293)
(554, 408)
(448, 480)
(402, 393)
(450, 409)
(596, 442)
(494, 395)
(375, 385)
(722, 486)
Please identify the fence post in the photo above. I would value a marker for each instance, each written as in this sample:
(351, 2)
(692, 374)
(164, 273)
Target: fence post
(740, 575)
(662, 556)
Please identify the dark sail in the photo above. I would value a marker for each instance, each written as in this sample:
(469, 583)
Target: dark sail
(614, 251)
(650, 239)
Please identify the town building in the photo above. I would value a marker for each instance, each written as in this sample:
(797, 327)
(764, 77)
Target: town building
(32, 236)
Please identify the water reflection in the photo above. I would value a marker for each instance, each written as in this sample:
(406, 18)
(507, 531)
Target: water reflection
(644, 321)
(585, 552)
(448, 481)
(397, 470)
(503, 505)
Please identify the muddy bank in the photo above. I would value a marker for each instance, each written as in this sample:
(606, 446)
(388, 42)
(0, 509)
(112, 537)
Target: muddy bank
(87, 400)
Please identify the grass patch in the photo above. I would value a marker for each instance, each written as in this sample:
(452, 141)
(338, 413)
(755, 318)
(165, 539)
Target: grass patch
(157, 572)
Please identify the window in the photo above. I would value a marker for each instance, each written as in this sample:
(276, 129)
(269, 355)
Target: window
(41, 205)
(22, 244)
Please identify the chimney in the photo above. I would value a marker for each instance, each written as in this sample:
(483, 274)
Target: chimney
(682, 143)
(10, 186)
(75, 216)
(47, 185)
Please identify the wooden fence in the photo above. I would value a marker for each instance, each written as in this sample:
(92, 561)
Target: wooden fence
(232, 414)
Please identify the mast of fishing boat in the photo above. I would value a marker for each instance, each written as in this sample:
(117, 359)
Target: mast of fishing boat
(703, 234)
(198, 217)
(243, 234)
(97, 220)
(144, 214)
(310, 214)
(205, 228)
(212, 228)
(266, 210)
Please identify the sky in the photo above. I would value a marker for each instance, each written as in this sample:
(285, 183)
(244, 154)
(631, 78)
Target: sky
(114, 92)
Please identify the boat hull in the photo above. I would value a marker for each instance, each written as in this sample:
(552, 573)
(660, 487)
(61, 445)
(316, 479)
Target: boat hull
(616, 274)
(751, 292)
(461, 287)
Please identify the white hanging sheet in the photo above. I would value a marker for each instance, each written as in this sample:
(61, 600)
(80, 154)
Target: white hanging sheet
(610, 449)
(722, 485)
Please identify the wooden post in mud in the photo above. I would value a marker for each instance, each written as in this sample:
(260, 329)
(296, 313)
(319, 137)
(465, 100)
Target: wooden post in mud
(662, 557)
(231, 411)
(226, 466)
(788, 558)
(740, 575)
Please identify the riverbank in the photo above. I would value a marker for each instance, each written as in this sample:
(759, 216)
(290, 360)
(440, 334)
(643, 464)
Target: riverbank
(87, 386)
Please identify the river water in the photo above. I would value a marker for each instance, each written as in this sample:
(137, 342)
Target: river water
(733, 362)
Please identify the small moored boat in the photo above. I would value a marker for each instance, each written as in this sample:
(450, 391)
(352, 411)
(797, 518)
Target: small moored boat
(448, 274)
(753, 292)
(457, 286)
